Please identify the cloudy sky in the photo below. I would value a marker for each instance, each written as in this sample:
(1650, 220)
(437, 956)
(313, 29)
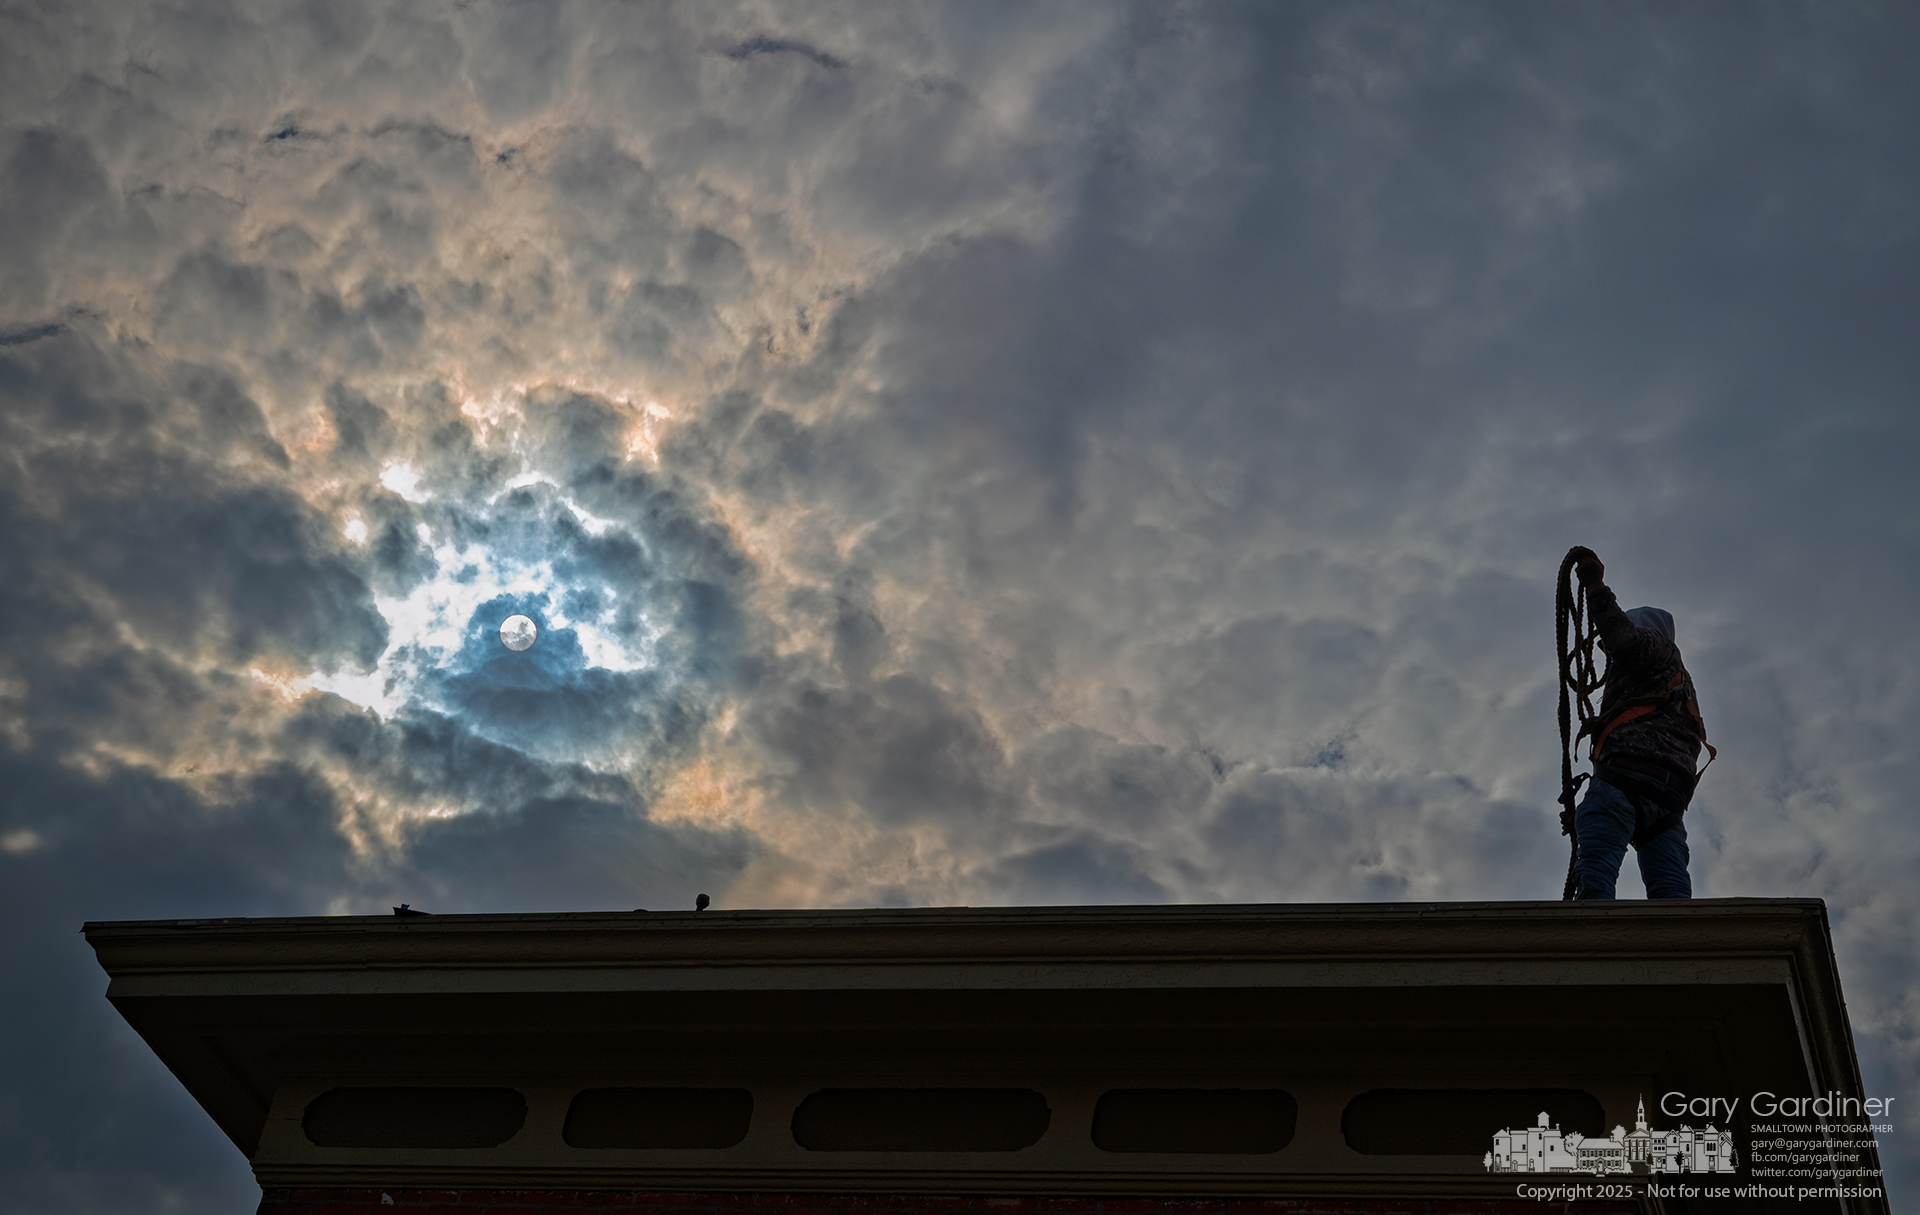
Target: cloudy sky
(953, 453)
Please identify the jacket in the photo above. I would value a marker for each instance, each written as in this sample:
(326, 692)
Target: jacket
(1652, 752)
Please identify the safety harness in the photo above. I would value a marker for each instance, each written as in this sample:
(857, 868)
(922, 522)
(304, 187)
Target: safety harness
(1680, 687)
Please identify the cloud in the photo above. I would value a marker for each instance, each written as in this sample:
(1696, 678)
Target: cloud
(1077, 453)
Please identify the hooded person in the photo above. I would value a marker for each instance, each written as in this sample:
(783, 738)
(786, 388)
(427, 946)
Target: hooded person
(1647, 738)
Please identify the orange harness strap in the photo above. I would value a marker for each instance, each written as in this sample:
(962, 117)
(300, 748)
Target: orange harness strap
(1640, 706)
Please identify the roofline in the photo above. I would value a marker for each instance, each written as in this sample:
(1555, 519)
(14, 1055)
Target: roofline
(732, 930)
(138, 953)
(960, 937)
(1791, 929)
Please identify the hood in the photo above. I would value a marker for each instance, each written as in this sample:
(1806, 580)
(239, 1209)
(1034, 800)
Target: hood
(1660, 620)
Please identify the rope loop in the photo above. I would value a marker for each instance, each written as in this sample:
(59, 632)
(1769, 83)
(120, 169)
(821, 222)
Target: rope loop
(1578, 682)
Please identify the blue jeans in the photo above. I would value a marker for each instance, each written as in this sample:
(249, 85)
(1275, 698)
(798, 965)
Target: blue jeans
(1606, 820)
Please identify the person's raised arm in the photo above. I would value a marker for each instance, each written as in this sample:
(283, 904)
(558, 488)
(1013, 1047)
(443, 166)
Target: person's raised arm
(1603, 609)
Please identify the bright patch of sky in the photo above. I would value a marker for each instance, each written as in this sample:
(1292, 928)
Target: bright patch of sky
(593, 524)
(404, 479)
(427, 626)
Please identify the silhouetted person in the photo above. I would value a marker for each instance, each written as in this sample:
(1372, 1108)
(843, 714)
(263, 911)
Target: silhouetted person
(701, 902)
(1647, 739)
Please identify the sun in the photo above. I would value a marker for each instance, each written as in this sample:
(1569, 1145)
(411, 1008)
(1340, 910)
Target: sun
(518, 633)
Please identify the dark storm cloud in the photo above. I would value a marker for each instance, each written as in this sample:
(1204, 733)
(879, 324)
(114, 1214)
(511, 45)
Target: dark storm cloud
(361, 428)
(1132, 786)
(1046, 454)
(1076, 872)
(900, 749)
(150, 499)
(599, 850)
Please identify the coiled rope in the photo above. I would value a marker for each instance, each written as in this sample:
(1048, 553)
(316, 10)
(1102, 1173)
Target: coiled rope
(1578, 683)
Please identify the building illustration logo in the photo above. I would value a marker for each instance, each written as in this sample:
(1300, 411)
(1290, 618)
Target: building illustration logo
(1542, 1148)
